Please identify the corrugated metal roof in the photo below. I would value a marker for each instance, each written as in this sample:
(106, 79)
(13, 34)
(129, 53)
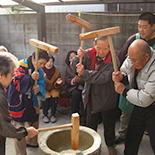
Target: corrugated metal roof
(83, 5)
(5, 3)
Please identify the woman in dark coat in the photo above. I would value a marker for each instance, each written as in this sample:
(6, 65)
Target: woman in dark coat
(74, 88)
(7, 66)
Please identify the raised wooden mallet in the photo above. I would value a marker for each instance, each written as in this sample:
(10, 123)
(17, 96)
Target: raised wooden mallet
(74, 130)
(100, 33)
(44, 46)
(80, 22)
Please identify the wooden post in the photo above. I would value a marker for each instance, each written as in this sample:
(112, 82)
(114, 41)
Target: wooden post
(75, 131)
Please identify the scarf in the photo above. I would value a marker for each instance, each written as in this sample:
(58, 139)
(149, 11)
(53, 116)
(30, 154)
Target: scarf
(99, 60)
(49, 72)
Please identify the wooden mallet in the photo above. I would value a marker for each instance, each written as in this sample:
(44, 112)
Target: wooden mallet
(100, 33)
(80, 22)
(74, 130)
(44, 46)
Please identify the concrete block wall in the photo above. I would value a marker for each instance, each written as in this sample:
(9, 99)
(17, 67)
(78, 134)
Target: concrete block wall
(17, 29)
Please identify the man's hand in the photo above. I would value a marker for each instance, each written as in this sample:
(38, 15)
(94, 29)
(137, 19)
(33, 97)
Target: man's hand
(117, 76)
(36, 89)
(80, 52)
(77, 79)
(35, 75)
(80, 68)
(32, 132)
(119, 87)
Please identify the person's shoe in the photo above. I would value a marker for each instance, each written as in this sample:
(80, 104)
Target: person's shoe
(53, 119)
(46, 119)
(118, 140)
(112, 150)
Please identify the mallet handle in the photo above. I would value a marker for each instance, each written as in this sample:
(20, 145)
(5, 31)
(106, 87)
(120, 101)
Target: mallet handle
(36, 62)
(56, 127)
(112, 53)
(82, 44)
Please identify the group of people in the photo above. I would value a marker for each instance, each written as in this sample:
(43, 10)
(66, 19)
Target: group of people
(93, 86)
(146, 26)
(8, 65)
(134, 84)
(24, 96)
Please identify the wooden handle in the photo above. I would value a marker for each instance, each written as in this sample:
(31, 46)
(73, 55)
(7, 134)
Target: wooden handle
(56, 127)
(36, 62)
(82, 41)
(44, 46)
(99, 33)
(112, 53)
(82, 45)
(75, 131)
(78, 21)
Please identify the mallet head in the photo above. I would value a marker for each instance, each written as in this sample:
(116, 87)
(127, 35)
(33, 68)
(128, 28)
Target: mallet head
(99, 33)
(44, 46)
(78, 21)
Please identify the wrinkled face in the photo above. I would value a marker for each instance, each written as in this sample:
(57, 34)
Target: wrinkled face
(102, 48)
(5, 80)
(49, 64)
(145, 30)
(137, 58)
(41, 63)
(72, 55)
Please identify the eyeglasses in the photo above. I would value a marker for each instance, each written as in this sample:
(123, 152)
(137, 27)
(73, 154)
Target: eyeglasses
(136, 61)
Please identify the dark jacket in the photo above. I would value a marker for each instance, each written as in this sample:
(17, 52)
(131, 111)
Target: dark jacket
(70, 74)
(23, 102)
(99, 87)
(123, 52)
(6, 127)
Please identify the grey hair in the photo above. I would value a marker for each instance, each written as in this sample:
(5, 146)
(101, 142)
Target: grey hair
(8, 62)
(101, 38)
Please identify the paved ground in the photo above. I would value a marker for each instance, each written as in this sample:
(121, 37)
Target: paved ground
(63, 117)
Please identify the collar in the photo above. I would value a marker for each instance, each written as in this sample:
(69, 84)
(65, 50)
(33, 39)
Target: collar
(97, 56)
(1, 87)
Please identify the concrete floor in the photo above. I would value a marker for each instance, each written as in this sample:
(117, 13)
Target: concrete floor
(63, 117)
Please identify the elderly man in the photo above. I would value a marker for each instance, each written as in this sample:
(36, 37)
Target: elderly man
(99, 93)
(139, 70)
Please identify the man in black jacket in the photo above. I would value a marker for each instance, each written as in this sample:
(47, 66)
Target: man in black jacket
(98, 93)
